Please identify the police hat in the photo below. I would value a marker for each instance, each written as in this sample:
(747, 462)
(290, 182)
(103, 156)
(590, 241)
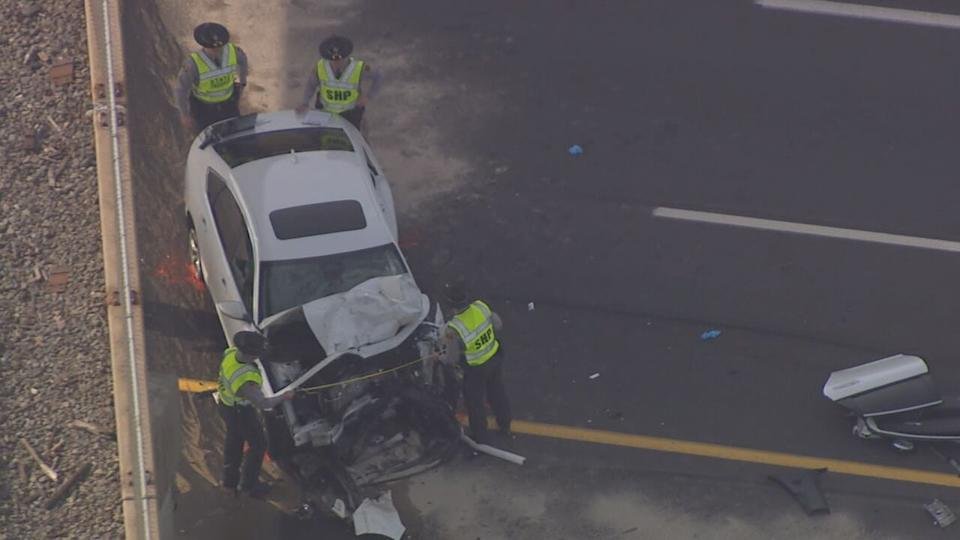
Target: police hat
(455, 293)
(335, 48)
(211, 35)
(250, 343)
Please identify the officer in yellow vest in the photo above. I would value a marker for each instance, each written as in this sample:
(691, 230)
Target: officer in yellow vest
(240, 396)
(211, 79)
(470, 339)
(339, 83)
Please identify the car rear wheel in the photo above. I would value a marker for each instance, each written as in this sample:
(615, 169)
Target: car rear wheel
(193, 246)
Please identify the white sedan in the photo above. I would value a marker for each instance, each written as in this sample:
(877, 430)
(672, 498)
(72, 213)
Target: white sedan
(293, 229)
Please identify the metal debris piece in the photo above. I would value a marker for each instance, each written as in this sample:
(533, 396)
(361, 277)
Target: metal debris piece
(339, 508)
(613, 414)
(491, 451)
(805, 488)
(378, 516)
(61, 72)
(58, 278)
(952, 461)
(942, 515)
(710, 334)
(47, 470)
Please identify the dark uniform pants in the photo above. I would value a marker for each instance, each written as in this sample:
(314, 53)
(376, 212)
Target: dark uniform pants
(243, 425)
(205, 114)
(486, 380)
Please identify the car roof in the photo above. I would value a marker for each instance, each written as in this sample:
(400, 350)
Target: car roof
(307, 178)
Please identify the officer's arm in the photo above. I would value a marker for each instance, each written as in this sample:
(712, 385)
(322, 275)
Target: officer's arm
(497, 321)
(370, 82)
(242, 67)
(310, 89)
(451, 347)
(185, 81)
(252, 393)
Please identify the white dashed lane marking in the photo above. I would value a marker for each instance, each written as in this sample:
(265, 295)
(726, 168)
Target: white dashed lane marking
(859, 11)
(807, 229)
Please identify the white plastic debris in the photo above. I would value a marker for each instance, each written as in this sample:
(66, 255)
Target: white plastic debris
(339, 509)
(942, 515)
(378, 516)
(492, 451)
(595, 375)
(531, 307)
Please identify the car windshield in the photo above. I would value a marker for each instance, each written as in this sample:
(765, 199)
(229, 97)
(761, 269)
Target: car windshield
(256, 146)
(291, 283)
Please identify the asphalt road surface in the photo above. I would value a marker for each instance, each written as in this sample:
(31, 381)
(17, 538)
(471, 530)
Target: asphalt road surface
(716, 106)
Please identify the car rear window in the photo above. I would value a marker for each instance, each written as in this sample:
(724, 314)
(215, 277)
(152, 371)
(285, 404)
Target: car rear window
(256, 146)
(319, 218)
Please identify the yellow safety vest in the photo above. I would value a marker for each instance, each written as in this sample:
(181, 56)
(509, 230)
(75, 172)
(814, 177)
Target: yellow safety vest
(233, 375)
(216, 83)
(339, 95)
(474, 325)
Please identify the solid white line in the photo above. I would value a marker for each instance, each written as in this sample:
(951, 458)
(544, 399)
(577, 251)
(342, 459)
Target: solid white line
(858, 11)
(804, 228)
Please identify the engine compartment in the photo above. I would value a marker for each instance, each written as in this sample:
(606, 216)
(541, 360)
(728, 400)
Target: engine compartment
(358, 421)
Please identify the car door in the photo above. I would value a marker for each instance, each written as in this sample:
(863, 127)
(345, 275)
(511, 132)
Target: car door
(231, 263)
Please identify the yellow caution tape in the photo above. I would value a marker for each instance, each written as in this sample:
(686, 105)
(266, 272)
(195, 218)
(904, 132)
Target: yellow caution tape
(198, 386)
(361, 378)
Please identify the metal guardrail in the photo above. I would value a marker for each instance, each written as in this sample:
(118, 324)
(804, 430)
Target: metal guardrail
(141, 509)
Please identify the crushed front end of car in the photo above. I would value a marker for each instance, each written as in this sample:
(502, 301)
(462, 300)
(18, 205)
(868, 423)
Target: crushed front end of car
(373, 404)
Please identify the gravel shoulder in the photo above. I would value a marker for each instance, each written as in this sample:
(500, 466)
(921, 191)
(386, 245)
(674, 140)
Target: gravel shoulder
(54, 353)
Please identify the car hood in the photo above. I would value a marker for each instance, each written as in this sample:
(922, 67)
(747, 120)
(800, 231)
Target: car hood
(374, 311)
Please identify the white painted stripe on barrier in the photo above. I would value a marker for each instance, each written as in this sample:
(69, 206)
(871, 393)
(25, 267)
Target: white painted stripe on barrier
(140, 482)
(808, 229)
(860, 11)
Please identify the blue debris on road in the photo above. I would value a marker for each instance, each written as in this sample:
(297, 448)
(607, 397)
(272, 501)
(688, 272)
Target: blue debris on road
(575, 150)
(710, 334)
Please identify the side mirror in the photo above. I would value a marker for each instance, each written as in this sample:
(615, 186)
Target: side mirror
(234, 310)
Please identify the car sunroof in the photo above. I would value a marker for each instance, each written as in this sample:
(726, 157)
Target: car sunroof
(319, 218)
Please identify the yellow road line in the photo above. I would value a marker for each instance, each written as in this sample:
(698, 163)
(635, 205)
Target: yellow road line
(692, 448)
(733, 453)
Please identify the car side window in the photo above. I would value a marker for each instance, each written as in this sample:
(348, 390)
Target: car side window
(234, 236)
